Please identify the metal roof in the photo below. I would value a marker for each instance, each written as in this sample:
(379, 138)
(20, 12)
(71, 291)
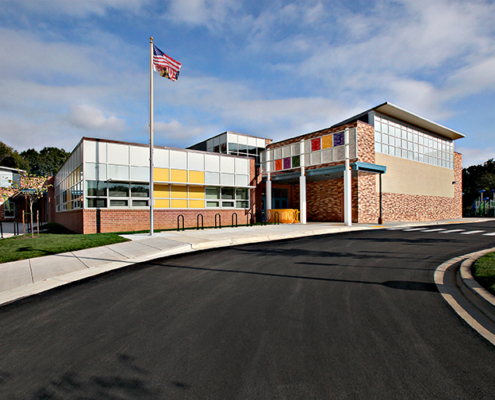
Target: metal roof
(401, 114)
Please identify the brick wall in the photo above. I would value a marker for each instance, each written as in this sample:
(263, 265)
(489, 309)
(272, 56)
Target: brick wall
(404, 207)
(107, 220)
(72, 220)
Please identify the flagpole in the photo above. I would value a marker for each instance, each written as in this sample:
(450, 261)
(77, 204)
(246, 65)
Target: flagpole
(152, 233)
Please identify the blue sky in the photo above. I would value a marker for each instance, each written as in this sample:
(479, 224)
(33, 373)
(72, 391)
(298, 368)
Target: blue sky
(73, 68)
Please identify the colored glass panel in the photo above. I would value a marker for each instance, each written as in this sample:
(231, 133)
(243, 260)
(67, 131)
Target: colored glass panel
(179, 192)
(179, 203)
(161, 191)
(178, 175)
(196, 203)
(160, 203)
(196, 177)
(296, 161)
(278, 165)
(315, 144)
(160, 174)
(338, 139)
(196, 192)
(287, 163)
(326, 141)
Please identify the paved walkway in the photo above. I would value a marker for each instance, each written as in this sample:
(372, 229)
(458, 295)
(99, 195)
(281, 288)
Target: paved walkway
(27, 277)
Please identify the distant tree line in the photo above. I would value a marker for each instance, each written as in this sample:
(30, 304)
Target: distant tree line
(47, 162)
(476, 178)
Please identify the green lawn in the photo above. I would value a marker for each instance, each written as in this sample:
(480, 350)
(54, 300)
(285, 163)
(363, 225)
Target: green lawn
(484, 272)
(20, 248)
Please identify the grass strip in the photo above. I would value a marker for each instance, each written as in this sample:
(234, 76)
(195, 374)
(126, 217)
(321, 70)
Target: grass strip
(20, 248)
(484, 272)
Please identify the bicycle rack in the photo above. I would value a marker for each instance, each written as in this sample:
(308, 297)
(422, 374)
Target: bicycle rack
(235, 220)
(219, 221)
(197, 222)
(249, 221)
(178, 221)
(276, 220)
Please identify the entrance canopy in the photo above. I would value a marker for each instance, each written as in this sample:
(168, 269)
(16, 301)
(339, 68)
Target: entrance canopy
(330, 173)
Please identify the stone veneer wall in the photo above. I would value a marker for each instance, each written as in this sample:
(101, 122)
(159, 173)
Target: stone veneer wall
(404, 207)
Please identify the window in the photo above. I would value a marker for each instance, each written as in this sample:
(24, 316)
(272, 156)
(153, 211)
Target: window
(140, 190)
(116, 189)
(96, 188)
(9, 209)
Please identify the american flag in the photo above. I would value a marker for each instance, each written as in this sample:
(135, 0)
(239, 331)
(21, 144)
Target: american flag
(164, 65)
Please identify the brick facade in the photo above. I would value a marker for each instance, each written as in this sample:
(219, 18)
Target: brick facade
(325, 198)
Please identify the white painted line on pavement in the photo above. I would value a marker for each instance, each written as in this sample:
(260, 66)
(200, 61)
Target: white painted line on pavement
(471, 232)
(453, 230)
(414, 229)
(435, 230)
(489, 234)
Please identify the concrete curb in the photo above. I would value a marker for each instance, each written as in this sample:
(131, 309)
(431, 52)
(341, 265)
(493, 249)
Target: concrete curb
(477, 294)
(71, 277)
(457, 292)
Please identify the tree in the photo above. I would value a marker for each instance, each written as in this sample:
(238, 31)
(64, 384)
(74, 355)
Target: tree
(11, 158)
(476, 178)
(47, 162)
(33, 188)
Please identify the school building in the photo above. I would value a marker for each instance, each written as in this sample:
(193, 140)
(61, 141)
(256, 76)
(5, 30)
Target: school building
(402, 167)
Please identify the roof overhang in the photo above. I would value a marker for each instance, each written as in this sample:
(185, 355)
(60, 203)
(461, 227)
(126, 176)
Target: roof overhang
(329, 173)
(414, 119)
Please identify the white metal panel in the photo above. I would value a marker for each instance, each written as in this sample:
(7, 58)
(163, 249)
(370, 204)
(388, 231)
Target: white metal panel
(241, 166)
(227, 164)
(251, 141)
(212, 163)
(260, 143)
(118, 153)
(231, 138)
(241, 180)
(242, 139)
(196, 161)
(116, 172)
(140, 173)
(178, 159)
(212, 178)
(95, 172)
(140, 156)
(228, 179)
(161, 158)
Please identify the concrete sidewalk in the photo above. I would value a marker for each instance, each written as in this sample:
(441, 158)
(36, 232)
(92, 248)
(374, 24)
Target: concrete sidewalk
(24, 278)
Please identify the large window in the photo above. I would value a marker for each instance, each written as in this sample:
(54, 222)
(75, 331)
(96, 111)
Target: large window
(405, 141)
(101, 194)
(226, 197)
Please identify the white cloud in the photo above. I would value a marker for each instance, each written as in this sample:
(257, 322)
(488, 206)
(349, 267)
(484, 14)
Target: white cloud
(78, 8)
(472, 156)
(90, 118)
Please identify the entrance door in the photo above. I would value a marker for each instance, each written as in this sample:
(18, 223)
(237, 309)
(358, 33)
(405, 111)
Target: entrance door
(280, 198)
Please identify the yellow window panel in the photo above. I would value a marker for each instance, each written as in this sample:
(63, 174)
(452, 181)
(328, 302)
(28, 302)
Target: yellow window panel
(326, 141)
(196, 177)
(196, 204)
(160, 175)
(160, 203)
(161, 191)
(179, 192)
(196, 192)
(178, 175)
(179, 203)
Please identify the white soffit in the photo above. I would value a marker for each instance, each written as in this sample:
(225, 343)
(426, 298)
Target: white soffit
(413, 119)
